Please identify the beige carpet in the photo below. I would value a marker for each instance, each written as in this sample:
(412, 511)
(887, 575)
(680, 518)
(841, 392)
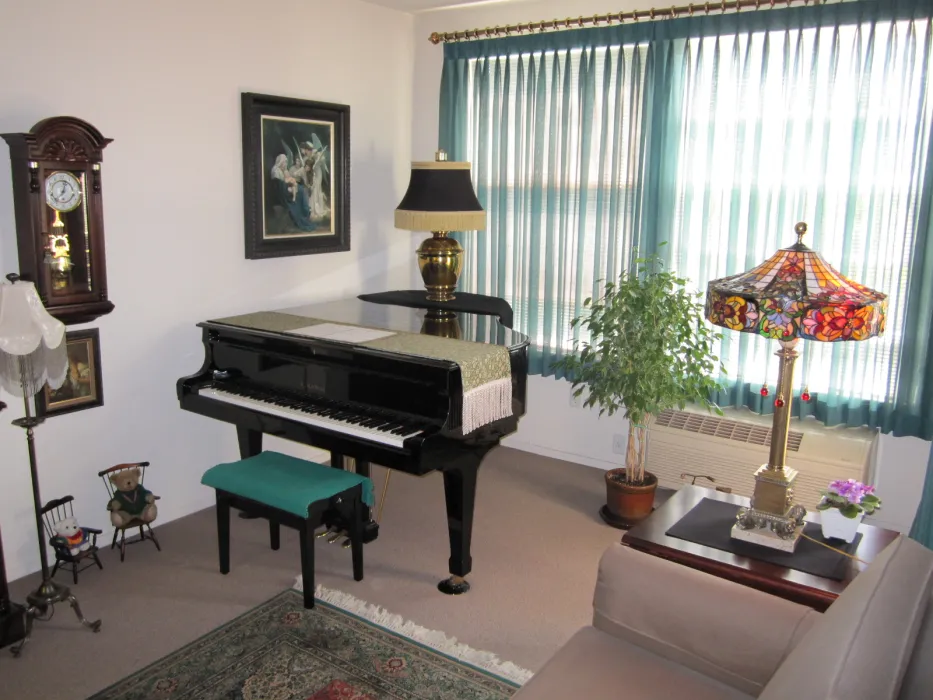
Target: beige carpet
(537, 539)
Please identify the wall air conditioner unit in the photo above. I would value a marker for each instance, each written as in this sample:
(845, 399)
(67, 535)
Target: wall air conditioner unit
(730, 448)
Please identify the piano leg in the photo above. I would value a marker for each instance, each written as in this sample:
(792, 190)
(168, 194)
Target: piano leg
(250, 442)
(460, 494)
(370, 526)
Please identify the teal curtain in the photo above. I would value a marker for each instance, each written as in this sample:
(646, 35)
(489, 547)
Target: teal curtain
(922, 528)
(715, 135)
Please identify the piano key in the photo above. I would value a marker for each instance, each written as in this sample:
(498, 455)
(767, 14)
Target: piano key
(315, 419)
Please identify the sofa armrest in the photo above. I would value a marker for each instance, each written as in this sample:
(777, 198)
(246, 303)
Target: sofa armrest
(724, 630)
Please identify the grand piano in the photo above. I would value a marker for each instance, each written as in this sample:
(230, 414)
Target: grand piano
(396, 410)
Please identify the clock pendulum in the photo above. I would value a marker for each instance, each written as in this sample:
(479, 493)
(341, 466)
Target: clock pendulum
(58, 254)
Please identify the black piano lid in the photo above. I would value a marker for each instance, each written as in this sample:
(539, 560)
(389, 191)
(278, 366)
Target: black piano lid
(475, 328)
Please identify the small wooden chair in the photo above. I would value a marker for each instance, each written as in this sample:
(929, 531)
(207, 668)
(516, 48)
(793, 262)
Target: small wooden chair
(145, 530)
(52, 513)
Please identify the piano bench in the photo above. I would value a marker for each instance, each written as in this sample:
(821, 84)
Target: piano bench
(292, 492)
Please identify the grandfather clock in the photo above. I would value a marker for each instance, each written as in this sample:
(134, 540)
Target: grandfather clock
(12, 615)
(57, 199)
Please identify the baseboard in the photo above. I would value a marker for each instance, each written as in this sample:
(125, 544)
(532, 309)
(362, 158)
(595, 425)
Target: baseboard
(531, 447)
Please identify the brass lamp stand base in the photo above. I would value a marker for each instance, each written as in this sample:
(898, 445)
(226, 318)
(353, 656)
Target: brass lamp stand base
(440, 260)
(767, 537)
(41, 603)
(773, 520)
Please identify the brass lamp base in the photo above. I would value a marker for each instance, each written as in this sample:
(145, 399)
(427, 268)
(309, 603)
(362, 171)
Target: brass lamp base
(440, 260)
(766, 537)
(773, 520)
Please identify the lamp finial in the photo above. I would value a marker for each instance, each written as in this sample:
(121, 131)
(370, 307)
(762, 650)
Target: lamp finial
(801, 230)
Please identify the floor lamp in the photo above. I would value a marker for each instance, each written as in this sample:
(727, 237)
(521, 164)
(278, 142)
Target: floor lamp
(33, 354)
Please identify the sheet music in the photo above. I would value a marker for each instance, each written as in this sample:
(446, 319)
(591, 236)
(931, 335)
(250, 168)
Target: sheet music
(338, 331)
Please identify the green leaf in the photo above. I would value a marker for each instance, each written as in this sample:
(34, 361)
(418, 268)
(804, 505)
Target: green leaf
(850, 510)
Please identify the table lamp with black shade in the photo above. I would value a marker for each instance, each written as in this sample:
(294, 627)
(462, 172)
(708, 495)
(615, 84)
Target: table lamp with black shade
(793, 294)
(32, 355)
(440, 198)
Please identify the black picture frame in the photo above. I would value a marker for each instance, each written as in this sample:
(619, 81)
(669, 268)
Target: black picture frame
(296, 176)
(83, 387)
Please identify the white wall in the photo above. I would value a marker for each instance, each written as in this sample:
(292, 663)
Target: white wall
(552, 426)
(164, 81)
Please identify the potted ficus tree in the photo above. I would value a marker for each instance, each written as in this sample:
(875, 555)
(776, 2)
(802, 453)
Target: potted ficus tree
(645, 347)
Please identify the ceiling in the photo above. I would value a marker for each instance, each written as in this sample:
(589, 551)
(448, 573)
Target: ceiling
(422, 5)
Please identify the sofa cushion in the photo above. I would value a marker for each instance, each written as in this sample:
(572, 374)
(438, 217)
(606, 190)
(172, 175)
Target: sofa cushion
(596, 666)
(703, 622)
(860, 648)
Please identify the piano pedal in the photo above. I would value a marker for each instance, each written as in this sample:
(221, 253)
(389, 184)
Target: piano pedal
(328, 531)
(346, 543)
(337, 534)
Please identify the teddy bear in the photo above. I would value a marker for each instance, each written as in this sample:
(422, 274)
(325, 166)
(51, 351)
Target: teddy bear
(131, 500)
(76, 538)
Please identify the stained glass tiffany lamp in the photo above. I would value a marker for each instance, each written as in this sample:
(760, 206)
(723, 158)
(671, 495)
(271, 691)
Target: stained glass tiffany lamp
(793, 294)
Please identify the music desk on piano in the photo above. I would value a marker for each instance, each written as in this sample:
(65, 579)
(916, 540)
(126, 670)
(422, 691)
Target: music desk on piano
(387, 408)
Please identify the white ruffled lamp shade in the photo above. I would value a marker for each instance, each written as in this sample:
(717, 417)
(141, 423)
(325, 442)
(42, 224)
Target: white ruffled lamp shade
(32, 342)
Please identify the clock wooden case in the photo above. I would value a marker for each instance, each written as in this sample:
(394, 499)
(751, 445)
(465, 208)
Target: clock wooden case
(59, 216)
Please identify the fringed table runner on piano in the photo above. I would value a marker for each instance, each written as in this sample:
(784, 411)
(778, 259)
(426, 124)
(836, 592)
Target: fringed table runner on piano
(485, 369)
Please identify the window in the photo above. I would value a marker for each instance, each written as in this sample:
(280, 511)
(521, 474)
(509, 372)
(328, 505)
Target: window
(716, 144)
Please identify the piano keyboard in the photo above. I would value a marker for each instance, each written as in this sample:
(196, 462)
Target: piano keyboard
(386, 431)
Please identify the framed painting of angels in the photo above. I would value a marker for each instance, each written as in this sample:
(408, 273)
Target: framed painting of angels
(296, 176)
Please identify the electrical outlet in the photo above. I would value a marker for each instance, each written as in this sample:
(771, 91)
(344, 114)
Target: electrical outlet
(619, 443)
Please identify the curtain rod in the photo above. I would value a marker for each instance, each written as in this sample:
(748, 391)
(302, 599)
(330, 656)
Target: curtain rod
(672, 12)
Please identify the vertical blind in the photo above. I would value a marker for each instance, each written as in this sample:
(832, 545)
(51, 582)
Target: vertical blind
(714, 135)
(549, 139)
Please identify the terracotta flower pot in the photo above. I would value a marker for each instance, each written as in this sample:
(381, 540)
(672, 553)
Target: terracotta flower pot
(626, 502)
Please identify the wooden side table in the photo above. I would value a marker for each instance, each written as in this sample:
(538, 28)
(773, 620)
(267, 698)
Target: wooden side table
(815, 591)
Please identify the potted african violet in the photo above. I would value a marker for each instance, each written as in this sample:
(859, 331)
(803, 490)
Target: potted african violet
(644, 347)
(842, 507)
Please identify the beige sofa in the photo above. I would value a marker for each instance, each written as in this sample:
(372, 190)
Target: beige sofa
(662, 630)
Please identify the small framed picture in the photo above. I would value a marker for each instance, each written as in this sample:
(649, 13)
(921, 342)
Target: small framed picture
(296, 176)
(82, 388)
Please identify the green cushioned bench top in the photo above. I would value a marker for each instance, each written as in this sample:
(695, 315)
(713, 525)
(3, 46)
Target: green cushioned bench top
(287, 483)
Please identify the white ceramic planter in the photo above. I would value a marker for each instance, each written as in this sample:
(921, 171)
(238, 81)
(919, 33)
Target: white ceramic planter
(835, 524)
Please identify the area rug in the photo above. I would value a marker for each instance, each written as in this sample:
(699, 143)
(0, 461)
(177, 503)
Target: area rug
(280, 651)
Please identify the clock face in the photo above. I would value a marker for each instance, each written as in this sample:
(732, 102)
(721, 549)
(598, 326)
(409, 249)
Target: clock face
(63, 191)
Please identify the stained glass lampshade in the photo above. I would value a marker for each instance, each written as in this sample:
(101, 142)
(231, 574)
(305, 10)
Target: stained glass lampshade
(793, 294)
